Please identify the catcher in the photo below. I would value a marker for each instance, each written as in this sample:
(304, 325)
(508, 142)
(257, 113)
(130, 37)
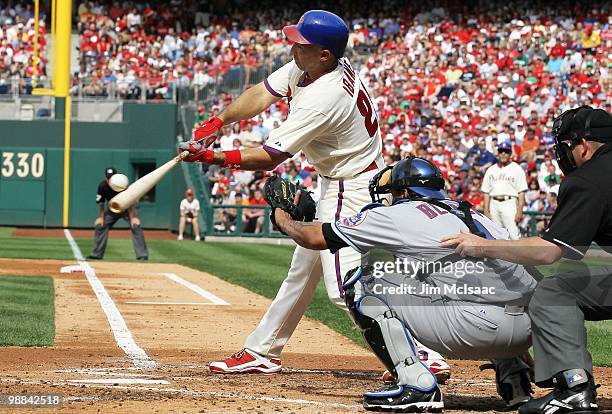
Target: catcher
(457, 306)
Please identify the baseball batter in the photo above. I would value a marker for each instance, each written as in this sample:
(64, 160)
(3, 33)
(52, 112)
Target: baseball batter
(333, 121)
(504, 185)
(458, 306)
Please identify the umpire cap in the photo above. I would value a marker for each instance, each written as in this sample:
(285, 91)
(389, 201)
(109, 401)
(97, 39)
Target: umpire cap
(583, 122)
(321, 28)
(110, 171)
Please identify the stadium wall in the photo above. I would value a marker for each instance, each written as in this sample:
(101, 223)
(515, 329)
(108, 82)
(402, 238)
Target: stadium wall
(31, 166)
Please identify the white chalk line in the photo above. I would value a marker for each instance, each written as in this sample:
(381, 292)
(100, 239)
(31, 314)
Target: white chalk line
(197, 394)
(103, 373)
(170, 303)
(122, 334)
(195, 288)
(114, 381)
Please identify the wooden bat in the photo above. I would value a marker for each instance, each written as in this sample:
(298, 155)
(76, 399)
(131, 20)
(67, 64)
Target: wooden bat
(140, 187)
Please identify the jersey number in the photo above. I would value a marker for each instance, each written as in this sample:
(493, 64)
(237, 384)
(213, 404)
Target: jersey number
(365, 109)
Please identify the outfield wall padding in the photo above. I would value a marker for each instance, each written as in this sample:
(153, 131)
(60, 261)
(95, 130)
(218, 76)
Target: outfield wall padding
(32, 165)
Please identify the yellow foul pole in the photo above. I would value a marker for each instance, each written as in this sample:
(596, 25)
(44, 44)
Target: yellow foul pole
(62, 87)
(53, 41)
(35, 57)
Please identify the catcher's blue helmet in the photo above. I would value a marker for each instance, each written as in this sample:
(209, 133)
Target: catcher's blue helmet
(419, 176)
(321, 28)
(423, 178)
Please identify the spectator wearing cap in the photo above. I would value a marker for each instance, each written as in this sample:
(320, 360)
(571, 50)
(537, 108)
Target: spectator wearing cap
(590, 39)
(504, 186)
(201, 115)
(190, 211)
(544, 168)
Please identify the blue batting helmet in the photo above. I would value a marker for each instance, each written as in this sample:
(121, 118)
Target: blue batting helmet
(321, 28)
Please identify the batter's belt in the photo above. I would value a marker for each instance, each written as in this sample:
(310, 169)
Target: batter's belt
(502, 198)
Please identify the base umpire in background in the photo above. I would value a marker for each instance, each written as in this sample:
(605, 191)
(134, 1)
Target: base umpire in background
(561, 304)
(107, 220)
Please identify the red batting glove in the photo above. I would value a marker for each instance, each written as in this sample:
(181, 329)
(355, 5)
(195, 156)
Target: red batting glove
(207, 131)
(197, 152)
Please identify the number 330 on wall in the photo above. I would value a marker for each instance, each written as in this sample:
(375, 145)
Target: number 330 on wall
(22, 164)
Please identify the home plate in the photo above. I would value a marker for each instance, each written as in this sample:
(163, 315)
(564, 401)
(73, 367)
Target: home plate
(123, 381)
(72, 269)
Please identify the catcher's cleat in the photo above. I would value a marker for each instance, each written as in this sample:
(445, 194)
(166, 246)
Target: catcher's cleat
(246, 362)
(574, 393)
(403, 399)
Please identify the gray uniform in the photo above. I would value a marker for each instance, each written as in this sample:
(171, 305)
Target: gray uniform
(459, 307)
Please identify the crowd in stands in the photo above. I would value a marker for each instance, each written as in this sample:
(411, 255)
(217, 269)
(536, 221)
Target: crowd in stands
(17, 46)
(450, 81)
(451, 84)
(133, 48)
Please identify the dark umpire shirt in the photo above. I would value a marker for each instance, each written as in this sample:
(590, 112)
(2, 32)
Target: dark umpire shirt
(584, 211)
(105, 193)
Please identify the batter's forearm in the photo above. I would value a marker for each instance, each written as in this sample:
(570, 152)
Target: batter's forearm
(251, 102)
(253, 159)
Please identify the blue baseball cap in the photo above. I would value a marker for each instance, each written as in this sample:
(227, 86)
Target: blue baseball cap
(321, 28)
(504, 146)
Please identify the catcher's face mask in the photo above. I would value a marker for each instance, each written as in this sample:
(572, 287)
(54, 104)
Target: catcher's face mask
(380, 184)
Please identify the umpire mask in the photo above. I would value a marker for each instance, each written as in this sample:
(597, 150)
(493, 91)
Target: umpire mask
(572, 126)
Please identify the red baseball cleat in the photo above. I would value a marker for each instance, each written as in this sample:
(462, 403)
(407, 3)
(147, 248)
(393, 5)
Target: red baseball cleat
(438, 366)
(246, 362)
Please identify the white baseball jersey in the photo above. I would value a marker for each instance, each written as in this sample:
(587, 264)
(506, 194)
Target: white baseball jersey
(192, 207)
(332, 119)
(509, 180)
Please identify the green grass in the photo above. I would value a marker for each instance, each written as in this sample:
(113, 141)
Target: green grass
(258, 267)
(27, 311)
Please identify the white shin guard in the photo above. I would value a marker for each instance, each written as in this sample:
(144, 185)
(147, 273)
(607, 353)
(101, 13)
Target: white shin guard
(398, 344)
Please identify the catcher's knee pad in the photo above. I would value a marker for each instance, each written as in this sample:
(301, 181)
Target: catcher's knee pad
(384, 332)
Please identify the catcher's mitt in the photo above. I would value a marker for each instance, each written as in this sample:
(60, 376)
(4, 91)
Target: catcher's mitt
(280, 193)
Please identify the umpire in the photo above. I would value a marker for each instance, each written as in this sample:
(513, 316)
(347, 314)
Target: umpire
(561, 304)
(107, 220)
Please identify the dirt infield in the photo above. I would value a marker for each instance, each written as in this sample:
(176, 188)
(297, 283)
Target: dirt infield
(177, 316)
(89, 233)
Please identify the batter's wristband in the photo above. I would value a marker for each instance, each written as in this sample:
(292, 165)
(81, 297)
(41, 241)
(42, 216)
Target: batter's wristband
(232, 159)
(216, 122)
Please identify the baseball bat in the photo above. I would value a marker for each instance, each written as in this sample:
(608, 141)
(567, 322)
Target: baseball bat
(140, 187)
